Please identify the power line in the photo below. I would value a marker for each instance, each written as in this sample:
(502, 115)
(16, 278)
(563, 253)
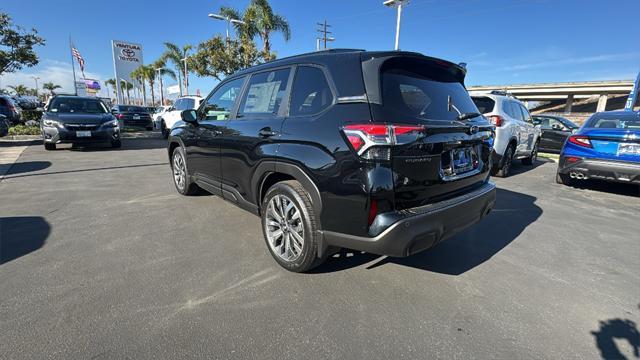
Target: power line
(323, 35)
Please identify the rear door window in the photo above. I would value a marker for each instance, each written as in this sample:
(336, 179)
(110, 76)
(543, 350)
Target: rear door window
(484, 104)
(264, 93)
(525, 113)
(220, 104)
(310, 93)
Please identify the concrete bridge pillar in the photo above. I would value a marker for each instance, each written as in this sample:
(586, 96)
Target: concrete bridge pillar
(569, 105)
(602, 103)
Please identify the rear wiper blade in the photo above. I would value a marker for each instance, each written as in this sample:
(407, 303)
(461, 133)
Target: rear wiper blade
(467, 116)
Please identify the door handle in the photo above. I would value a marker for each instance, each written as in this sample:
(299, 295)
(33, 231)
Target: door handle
(267, 132)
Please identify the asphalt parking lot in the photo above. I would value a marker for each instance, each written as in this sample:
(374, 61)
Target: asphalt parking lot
(101, 258)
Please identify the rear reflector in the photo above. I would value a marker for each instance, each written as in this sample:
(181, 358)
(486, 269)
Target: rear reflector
(496, 120)
(580, 140)
(571, 159)
(373, 211)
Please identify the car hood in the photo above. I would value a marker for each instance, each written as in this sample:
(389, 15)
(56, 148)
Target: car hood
(68, 118)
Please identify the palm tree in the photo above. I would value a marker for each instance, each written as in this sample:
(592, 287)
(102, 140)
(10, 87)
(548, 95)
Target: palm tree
(19, 90)
(140, 76)
(125, 85)
(50, 86)
(262, 21)
(159, 67)
(175, 54)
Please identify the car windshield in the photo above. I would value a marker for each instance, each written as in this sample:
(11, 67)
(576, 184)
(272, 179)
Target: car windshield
(615, 121)
(137, 109)
(568, 123)
(77, 105)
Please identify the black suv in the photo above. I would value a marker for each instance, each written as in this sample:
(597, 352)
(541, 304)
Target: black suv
(78, 120)
(382, 152)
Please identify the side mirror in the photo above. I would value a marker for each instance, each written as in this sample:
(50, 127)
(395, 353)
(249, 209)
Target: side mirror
(556, 127)
(536, 121)
(189, 116)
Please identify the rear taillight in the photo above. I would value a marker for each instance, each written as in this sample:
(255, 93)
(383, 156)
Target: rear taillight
(119, 116)
(496, 120)
(372, 141)
(580, 140)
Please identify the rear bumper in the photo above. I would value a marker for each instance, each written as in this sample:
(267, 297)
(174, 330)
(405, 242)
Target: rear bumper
(620, 171)
(422, 227)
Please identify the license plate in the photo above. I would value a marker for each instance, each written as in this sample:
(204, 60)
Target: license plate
(628, 149)
(462, 160)
(136, 117)
(83, 133)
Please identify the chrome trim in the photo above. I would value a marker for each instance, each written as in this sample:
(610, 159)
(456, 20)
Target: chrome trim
(353, 99)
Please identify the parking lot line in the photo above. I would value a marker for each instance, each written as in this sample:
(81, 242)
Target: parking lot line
(8, 156)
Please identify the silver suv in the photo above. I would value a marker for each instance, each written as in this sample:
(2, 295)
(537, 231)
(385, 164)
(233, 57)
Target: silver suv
(516, 135)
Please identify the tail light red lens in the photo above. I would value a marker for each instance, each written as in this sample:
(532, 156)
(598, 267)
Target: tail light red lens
(496, 120)
(363, 137)
(580, 140)
(119, 116)
(373, 211)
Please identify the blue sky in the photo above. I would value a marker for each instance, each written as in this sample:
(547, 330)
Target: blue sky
(503, 41)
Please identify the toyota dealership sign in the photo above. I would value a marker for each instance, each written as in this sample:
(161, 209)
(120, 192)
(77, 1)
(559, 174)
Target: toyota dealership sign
(126, 58)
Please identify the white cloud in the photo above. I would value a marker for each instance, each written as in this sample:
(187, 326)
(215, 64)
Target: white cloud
(55, 71)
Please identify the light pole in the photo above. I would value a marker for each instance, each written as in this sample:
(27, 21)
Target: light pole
(36, 79)
(397, 4)
(159, 70)
(228, 20)
(186, 76)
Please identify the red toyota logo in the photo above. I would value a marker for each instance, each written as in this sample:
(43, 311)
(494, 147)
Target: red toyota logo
(128, 52)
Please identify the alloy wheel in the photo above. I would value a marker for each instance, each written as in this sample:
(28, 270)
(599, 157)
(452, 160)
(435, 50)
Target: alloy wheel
(284, 228)
(179, 171)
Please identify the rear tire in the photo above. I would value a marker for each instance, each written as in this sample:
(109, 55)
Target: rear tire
(507, 160)
(563, 179)
(181, 178)
(533, 157)
(49, 146)
(290, 227)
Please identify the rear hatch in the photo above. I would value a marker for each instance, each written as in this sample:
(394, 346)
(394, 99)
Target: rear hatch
(441, 149)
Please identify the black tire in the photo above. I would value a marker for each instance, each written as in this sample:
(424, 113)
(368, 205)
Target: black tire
(49, 146)
(149, 128)
(164, 130)
(116, 144)
(188, 187)
(563, 179)
(533, 157)
(504, 169)
(293, 191)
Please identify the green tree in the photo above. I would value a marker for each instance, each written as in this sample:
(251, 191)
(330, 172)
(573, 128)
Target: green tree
(127, 86)
(217, 58)
(175, 54)
(139, 75)
(112, 83)
(16, 46)
(51, 87)
(19, 90)
(262, 21)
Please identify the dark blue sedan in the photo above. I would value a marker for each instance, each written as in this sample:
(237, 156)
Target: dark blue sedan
(606, 147)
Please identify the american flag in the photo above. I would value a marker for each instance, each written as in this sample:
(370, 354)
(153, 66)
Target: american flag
(77, 55)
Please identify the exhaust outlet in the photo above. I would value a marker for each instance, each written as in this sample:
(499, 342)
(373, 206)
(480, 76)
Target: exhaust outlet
(573, 174)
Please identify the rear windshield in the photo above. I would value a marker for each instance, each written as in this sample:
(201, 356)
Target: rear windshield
(132, 109)
(77, 105)
(484, 104)
(409, 92)
(614, 121)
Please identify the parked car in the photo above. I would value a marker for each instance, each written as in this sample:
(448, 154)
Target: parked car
(4, 126)
(516, 135)
(78, 120)
(156, 116)
(172, 115)
(133, 116)
(555, 130)
(382, 152)
(27, 102)
(606, 147)
(9, 109)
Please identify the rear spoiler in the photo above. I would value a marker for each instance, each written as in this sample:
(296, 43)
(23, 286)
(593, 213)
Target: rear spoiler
(372, 64)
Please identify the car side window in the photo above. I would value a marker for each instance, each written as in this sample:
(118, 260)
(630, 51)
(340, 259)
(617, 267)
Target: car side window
(525, 114)
(220, 103)
(556, 125)
(177, 105)
(310, 93)
(507, 107)
(264, 93)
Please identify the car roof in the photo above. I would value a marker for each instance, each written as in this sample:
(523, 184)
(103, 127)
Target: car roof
(619, 112)
(75, 97)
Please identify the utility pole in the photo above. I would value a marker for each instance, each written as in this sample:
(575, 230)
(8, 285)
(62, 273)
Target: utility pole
(398, 5)
(36, 79)
(323, 32)
(159, 70)
(186, 76)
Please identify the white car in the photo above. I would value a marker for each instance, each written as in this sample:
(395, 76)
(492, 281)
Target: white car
(157, 115)
(172, 115)
(516, 135)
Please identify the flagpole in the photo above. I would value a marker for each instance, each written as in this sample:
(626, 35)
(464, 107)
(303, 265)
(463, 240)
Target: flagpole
(73, 67)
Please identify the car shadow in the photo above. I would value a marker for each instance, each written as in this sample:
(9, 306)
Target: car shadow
(608, 186)
(620, 329)
(127, 144)
(512, 214)
(27, 166)
(517, 167)
(21, 235)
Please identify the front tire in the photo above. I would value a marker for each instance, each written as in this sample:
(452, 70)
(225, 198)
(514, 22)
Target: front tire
(49, 146)
(116, 144)
(181, 178)
(290, 227)
(165, 131)
(504, 169)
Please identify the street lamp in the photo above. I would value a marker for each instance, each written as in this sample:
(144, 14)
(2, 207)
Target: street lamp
(36, 79)
(159, 70)
(398, 4)
(228, 20)
(186, 76)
